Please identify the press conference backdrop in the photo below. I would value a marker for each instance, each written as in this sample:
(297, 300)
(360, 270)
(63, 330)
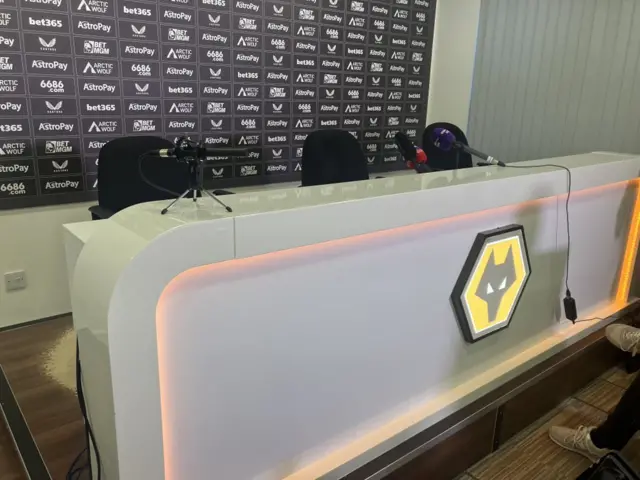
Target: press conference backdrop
(556, 78)
(258, 74)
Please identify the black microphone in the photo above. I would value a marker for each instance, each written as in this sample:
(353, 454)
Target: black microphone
(445, 140)
(223, 152)
(413, 156)
(200, 152)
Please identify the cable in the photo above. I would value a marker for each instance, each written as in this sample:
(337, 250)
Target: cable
(589, 319)
(149, 182)
(566, 206)
(570, 308)
(74, 472)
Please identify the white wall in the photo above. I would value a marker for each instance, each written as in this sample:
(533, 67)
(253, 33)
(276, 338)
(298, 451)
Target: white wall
(454, 50)
(556, 78)
(31, 240)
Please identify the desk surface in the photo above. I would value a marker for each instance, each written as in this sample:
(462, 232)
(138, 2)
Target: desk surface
(453, 192)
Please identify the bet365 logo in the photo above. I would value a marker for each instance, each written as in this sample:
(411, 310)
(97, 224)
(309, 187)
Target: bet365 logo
(491, 283)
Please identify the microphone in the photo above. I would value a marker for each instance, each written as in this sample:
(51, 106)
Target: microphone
(414, 157)
(199, 152)
(163, 152)
(445, 140)
(223, 152)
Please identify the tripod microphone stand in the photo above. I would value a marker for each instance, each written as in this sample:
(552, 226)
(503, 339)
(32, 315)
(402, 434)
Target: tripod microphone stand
(193, 154)
(195, 187)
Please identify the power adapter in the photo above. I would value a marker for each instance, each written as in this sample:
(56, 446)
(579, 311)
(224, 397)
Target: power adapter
(570, 308)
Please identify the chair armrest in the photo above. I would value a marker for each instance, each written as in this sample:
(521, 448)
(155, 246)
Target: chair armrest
(100, 213)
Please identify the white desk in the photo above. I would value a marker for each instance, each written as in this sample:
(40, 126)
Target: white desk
(310, 330)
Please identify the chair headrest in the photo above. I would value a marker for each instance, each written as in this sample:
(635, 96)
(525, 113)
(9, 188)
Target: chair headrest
(332, 156)
(439, 159)
(120, 185)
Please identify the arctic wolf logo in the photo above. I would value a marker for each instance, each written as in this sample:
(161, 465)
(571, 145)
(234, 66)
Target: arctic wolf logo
(491, 283)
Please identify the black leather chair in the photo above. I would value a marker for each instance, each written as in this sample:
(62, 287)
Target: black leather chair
(332, 156)
(120, 184)
(441, 160)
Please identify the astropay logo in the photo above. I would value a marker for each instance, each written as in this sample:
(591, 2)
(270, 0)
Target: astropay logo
(65, 185)
(98, 27)
(15, 168)
(51, 3)
(142, 107)
(182, 16)
(185, 124)
(10, 107)
(49, 65)
(98, 87)
(56, 127)
(180, 72)
(216, 90)
(144, 51)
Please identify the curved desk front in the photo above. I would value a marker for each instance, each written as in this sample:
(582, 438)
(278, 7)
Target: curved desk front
(311, 330)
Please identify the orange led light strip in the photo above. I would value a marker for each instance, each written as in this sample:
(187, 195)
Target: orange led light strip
(630, 251)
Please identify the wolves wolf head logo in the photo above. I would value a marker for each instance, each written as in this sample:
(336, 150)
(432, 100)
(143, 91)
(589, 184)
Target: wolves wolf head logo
(492, 280)
(496, 280)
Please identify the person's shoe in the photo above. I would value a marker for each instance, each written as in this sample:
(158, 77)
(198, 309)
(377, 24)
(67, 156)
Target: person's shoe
(578, 441)
(625, 337)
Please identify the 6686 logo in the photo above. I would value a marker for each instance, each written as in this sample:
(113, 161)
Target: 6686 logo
(14, 188)
(52, 86)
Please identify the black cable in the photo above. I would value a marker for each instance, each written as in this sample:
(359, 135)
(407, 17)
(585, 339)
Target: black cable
(83, 408)
(570, 308)
(566, 206)
(588, 319)
(149, 182)
(73, 469)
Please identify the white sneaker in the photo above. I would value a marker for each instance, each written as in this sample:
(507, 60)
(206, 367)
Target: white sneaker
(578, 441)
(625, 337)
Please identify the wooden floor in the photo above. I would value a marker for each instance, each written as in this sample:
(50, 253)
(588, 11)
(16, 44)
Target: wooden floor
(54, 417)
(51, 411)
(530, 455)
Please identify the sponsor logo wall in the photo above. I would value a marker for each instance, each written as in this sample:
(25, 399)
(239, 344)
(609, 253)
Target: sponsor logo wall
(257, 74)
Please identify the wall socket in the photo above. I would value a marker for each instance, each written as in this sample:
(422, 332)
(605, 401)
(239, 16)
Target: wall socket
(15, 280)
